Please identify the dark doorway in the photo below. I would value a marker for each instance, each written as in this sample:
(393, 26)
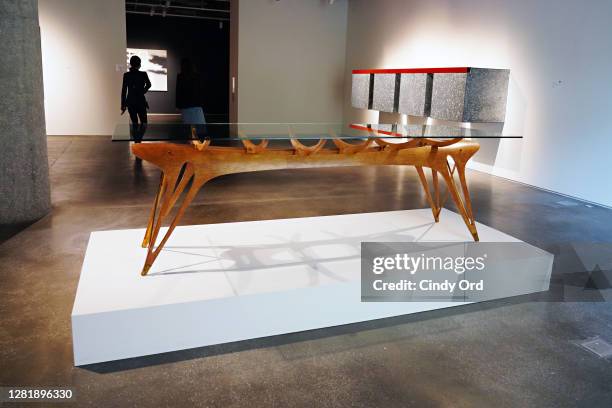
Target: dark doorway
(194, 29)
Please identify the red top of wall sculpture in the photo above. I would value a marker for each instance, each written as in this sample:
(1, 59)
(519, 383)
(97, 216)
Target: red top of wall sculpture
(382, 132)
(454, 70)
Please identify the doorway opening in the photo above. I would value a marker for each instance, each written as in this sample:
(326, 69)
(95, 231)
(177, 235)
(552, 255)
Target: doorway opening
(163, 34)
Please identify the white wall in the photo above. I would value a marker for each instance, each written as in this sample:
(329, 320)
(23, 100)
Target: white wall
(291, 60)
(567, 145)
(82, 42)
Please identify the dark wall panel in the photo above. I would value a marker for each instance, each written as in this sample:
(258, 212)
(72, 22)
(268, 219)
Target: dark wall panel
(200, 40)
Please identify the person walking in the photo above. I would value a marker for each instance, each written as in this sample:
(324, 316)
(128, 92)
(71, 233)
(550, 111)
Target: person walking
(189, 93)
(135, 85)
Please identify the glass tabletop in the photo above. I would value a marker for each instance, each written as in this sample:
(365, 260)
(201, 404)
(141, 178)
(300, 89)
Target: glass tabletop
(178, 132)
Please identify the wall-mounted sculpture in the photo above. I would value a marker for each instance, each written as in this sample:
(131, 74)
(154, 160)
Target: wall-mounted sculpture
(455, 94)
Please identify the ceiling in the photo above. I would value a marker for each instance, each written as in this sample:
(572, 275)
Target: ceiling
(195, 9)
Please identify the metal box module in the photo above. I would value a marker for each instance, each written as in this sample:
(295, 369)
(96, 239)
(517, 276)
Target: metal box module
(456, 94)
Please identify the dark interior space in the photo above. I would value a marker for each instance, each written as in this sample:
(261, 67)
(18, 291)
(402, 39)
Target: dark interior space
(205, 42)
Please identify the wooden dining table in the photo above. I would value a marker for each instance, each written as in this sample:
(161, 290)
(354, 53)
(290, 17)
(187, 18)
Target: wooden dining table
(191, 155)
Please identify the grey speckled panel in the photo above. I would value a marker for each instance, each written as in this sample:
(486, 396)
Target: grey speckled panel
(479, 96)
(486, 95)
(412, 97)
(360, 92)
(384, 92)
(448, 95)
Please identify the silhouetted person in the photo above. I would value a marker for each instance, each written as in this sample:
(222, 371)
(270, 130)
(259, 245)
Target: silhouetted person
(135, 85)
(189, 92)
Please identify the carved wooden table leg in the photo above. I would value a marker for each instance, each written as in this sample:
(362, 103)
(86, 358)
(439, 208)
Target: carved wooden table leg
(175, 181)
(434, 209)
(434, 177)
(158, 195)
(464, 205)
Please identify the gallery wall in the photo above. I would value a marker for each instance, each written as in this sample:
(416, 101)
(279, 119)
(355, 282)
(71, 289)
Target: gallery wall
(202, 41)
(83, 49)
(560, 56)
(291, 60)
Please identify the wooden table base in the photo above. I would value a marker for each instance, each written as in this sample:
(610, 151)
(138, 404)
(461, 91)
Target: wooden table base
(185, 165)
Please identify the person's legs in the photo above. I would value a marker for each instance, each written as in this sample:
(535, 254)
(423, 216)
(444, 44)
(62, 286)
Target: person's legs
(193, 116)
(133, 111)
(134, 119)
(138, 116)
(142, 115)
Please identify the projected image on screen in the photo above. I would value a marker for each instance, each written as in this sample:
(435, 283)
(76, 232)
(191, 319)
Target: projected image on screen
(155, 64)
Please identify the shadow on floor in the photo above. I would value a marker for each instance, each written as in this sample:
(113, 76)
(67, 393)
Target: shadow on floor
(9, 231)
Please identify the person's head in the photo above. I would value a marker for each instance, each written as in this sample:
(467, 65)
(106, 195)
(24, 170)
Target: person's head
(135, 62)
(186, 66)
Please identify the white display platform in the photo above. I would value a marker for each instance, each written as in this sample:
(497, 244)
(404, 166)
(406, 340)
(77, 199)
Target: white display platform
(227, 282)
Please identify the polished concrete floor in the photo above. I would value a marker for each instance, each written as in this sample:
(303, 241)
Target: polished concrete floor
(511, 353)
